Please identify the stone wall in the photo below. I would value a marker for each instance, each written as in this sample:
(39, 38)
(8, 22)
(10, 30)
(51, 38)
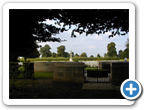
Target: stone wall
(69, 72)
(44, 66)
(105, 65)
(119, 72)
(74, 71)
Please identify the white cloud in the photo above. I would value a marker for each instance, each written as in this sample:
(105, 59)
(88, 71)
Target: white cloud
(91, 47)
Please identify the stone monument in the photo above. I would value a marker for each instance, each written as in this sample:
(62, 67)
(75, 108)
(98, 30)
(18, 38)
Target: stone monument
(71, 56)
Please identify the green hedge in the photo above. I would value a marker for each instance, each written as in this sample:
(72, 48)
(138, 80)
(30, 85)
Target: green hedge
(13, 70)
(94, 72)
(26, 70)
(67, 59)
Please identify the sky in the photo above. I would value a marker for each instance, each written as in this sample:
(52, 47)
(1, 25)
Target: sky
(92, 44)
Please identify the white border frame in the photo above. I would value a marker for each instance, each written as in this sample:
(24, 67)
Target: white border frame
(8, 6)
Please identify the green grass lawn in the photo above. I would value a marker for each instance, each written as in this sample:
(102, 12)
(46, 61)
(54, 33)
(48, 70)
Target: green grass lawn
(88, 68)
(39, 75)
(47, 89)
(44, 75)
(43, 87)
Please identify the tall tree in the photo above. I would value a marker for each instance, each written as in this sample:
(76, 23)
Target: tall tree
(127, 43)
(120, 53)
(76, 55)
(98, 55)
(105, 55)
(83, 54)
(73, 54)
(111, 50)
(53, 54)
(125, 53)
(45, 51)
(26, 25)
(61, 51)
(91, 56)
(66, 54)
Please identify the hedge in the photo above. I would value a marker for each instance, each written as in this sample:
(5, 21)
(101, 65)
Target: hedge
(67, 59)
(27, 70)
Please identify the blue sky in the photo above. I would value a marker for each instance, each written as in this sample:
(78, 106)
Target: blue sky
(91, 44)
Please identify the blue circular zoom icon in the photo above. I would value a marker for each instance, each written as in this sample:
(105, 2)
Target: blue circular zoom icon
(131, 89)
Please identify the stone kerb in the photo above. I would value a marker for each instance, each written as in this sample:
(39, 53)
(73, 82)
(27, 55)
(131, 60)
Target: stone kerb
(119, 72)
(69, 72)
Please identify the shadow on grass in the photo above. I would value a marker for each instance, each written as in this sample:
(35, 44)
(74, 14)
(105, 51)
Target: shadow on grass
(47, 89)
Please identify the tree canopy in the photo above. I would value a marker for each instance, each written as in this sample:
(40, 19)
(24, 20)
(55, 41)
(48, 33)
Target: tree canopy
(45, 51)
(27, 26)
(111, 49)
(98, 55)
(125, 53)
(76, 55)
(61, 51)
(91, 56)
(83, 54)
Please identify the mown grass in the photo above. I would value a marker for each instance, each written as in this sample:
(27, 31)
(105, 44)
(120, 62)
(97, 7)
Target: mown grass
(43, 87)
(47, 89)
(88, 68)
(37, 75)
(44, 75)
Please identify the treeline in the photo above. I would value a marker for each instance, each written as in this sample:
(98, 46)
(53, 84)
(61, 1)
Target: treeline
(45, 52)
(111, 52)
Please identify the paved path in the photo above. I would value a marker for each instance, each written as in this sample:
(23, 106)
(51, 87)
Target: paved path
(100, 86)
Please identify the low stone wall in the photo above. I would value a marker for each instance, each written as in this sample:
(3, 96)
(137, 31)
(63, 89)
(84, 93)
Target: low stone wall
(69, 72)
(44, 66)
(119, 72)
(105, 65)
(74, 71)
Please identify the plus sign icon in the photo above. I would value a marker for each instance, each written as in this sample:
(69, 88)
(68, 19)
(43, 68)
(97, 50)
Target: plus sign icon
(131, 89)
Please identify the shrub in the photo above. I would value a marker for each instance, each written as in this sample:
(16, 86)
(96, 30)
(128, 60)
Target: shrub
(76, 60)
(13, 70)
(28, 70)
(21, 69)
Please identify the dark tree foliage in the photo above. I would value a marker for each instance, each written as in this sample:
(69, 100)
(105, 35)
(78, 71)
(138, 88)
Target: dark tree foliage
(111, 50)
(26, 26)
